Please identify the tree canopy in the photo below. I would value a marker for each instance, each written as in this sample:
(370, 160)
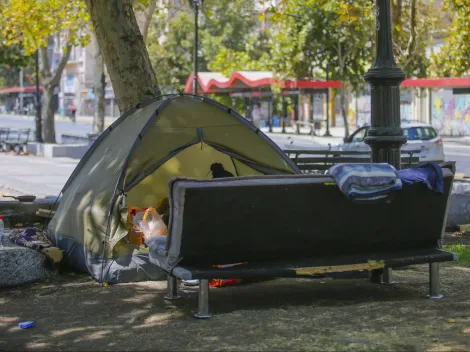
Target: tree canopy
(229, 39)
(454, 57)
(413, 24)
(338, 33)
(31, 22)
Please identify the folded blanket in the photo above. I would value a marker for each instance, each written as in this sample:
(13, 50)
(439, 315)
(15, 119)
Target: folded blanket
(366, 181)
(35, 239)
(430, 174)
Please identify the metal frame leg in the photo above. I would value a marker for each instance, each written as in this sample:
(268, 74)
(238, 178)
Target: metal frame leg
(376, 276)
(172, 287)
(387, 277)
(203, 305)
(434, 281)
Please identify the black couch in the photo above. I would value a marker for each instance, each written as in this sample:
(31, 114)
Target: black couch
(289, 226)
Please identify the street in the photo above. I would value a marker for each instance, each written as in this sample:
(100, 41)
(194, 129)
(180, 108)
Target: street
(45, 177)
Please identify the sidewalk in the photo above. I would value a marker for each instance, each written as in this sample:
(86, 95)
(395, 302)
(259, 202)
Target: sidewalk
(58, 118)
(39, 176)
(464, 140)
(292, 139)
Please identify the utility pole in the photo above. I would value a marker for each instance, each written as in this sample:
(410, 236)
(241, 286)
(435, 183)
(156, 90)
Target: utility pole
(21, 92)
(38, 102)
(327, 133)
(385, 136)
(195, 4)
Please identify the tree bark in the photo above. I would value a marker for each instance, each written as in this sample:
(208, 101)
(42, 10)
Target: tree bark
(124, 52)
(50, 80)
(99, 85)
(47, 113)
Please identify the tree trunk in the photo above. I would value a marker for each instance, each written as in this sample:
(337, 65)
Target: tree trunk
(344, 109)
(124, 52)
(50, 80)
(47, 113)
(99, 85)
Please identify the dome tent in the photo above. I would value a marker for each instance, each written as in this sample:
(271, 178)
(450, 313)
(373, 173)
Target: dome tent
(131, 163)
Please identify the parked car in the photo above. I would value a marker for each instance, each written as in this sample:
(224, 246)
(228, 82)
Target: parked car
(421, 136)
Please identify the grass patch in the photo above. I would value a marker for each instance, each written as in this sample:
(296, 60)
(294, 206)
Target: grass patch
(462, 251)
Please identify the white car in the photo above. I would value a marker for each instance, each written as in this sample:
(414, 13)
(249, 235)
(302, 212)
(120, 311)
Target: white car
(420, 136)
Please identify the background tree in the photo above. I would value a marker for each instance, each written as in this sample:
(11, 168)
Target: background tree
(413, 23)
(12, 60)
(229, 34)
(454, 57)
(35, 24)
(335, 32)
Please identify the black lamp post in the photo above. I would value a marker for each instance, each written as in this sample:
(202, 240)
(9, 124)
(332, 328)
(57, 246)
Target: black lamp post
(195, 5)
(284, 113)
(385, 135)
(327, 133)
(38, 102)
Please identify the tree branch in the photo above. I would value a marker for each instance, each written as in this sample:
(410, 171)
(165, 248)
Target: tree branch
(148, 18)
(63, 61)
(412, 41)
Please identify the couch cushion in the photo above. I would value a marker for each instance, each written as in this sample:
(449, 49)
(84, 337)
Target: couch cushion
(280, 217)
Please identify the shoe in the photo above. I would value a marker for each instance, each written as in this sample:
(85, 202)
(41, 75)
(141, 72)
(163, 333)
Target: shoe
(191, 282)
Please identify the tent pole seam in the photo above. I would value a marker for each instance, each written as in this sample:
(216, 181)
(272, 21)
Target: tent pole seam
(113, 198)
(105, 133)
(157, 166)
(259, 133)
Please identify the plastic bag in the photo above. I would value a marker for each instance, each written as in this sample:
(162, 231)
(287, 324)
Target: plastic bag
(150, 223)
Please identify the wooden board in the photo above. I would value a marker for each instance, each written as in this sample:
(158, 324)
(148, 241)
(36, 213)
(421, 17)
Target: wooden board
(45, 213)
(370, 265)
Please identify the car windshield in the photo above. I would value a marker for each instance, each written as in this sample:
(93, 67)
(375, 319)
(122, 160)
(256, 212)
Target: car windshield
(420, 133)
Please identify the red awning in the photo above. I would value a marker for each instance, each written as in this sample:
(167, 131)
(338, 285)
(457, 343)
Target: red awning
(215, 82)
(19, 90)
(457, 82)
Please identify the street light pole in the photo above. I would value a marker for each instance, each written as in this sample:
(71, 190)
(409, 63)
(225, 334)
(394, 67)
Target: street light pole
(327, 133)
(38, 102)
(195, 4)
(385, 136)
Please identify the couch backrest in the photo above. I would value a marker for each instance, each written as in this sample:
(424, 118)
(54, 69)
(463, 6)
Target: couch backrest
(280, 217)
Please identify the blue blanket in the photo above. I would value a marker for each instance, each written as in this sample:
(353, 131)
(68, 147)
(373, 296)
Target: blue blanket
(366, 181)
(430, 174)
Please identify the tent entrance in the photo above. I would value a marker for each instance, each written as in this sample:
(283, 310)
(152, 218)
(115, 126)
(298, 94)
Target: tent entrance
(195, 162)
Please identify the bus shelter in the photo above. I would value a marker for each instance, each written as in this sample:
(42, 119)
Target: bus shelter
(304, 99)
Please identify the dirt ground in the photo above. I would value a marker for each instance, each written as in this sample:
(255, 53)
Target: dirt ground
(72, 312)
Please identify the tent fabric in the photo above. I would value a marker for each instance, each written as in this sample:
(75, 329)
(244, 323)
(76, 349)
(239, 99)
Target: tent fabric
(132, 162)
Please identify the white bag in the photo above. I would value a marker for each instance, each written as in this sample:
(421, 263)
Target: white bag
(150, 223)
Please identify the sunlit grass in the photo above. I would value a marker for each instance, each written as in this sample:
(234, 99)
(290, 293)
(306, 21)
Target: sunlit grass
(462, 251)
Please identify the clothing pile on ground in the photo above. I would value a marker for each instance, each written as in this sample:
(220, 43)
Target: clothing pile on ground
(36, 239)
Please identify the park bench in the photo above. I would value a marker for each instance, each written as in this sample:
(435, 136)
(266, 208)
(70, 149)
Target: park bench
(4, 132)
(317, 230)
(314, 125)
(318, 161)
(17, 140)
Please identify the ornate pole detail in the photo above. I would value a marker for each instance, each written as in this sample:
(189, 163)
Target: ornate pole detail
(385, 135)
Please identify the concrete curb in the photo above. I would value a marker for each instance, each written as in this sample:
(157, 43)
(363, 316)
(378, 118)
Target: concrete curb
(74, 151)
